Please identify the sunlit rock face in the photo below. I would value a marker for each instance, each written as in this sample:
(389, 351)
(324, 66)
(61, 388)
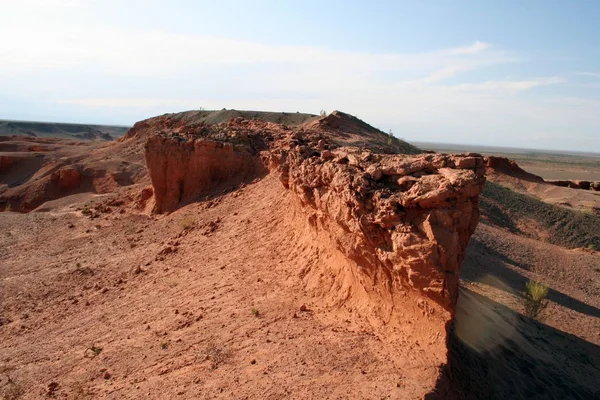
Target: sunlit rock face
(404, 219)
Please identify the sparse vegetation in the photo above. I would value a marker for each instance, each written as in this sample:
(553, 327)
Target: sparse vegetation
(255, 312)
(534, 301)
(187, 222)
(92, 351)
(11, 390)
(565, 227)
(323, 113)
(217, 355)
(391, 138)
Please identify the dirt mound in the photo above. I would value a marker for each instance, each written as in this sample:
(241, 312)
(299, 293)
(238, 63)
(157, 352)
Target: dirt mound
(190, 119)
(347, 130)
(505, 166)
(247, 302)
(293, 260)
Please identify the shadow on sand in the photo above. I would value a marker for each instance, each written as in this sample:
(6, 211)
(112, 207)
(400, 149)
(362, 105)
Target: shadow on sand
(495, 266)
(496, 353)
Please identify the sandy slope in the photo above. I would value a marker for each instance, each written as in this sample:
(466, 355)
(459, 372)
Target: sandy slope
(184, 326)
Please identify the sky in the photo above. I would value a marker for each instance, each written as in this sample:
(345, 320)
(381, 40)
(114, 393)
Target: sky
(500, 73)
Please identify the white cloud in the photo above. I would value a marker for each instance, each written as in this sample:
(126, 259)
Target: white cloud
(69, 61)
(507, 87)
(476, 47)
(131, 102)
(593, 74)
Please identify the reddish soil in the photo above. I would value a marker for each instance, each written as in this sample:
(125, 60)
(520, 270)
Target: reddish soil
(173, 308)
(238, 295)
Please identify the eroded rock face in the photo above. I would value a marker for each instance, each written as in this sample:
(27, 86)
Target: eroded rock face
(67, 178)
(404, 219)
(181, 171)
(7, 161)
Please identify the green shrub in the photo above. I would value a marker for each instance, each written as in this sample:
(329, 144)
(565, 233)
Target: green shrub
(535, 299)
(187, 223)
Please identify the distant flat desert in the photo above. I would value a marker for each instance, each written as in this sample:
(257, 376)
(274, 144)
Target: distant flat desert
(549, 164)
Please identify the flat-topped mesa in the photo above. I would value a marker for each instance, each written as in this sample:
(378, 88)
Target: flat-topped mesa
(404, 220)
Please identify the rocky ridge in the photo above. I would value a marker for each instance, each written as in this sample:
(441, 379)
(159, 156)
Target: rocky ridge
(404, 219)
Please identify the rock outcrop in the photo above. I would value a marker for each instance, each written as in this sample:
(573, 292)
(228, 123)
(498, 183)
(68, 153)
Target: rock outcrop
(583, 185)
(405, 220)
(183, 170)
(509, 167)
(34, 171)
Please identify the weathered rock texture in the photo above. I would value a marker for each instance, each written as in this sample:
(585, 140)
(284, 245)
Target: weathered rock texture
(584, 185)
(183, 170)
(36, 170)
(405, 220)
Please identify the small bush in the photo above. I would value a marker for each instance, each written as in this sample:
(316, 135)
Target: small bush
(92, 351)
(186, 223)
(216, 354)
(323, 113)
(11, 390)
(535, 299)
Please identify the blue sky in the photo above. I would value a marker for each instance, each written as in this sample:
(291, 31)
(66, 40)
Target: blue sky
(508, 73)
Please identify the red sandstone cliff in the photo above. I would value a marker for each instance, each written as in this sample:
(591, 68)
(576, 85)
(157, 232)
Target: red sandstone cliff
(405, 220)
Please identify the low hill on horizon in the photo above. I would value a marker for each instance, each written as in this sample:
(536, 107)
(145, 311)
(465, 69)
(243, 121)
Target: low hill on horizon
(61, 130)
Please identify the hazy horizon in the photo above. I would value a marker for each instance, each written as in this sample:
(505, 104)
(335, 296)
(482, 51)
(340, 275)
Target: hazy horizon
(476, 147)
(518, 74)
